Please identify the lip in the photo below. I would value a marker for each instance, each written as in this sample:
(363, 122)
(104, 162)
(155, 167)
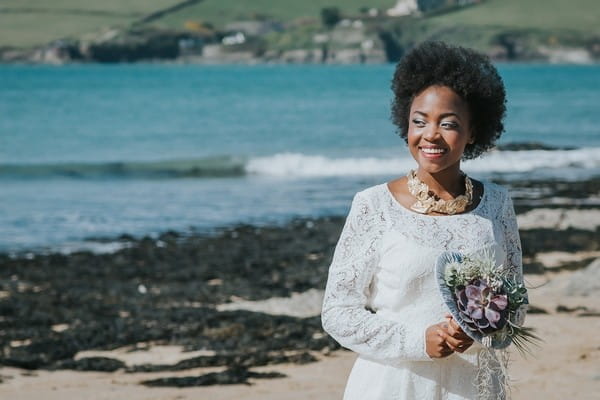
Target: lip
(432, 155)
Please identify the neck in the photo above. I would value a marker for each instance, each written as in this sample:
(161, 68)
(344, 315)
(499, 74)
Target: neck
(446, 184)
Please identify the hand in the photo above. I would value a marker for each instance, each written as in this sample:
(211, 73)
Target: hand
(456, 339)
(435, 341)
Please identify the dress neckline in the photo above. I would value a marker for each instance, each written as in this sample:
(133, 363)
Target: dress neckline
(473, 211)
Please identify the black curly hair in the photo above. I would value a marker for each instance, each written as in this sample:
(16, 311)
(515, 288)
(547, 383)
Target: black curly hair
(468, 73)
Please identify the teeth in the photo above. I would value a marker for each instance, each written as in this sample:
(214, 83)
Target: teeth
(433, 151)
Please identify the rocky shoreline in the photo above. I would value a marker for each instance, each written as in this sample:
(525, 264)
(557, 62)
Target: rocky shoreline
(183, 290)
(365, 44)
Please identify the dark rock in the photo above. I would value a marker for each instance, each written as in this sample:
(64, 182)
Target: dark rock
(228, 377)
(565, 309)
(164, 291)
(103, 364)
(239, 360)
(569, 240)
(536, 310)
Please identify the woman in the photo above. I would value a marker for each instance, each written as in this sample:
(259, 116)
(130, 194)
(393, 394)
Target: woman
(382, 299)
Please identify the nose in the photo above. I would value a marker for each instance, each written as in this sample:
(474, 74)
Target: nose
(431, 133)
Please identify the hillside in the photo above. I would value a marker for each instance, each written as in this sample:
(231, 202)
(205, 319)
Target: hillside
(132, 30)
(26, 23)
(527, 23)
(220, 12)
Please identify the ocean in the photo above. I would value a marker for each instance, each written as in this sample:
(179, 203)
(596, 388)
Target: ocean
(92, 152)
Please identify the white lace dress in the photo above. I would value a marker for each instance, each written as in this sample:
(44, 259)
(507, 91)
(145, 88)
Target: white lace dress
(382, 294)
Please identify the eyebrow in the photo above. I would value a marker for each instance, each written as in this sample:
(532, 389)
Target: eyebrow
(444, 115)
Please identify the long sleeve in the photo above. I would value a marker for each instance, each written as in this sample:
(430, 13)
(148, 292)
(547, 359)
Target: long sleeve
(345, 316)
(514, 258)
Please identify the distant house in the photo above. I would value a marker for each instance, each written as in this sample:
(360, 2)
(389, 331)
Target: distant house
(233, 39)
(409, 7)
(402, 8)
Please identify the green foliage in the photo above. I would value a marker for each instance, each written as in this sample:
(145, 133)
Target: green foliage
(299, 38)
(330, 16)
(523, 337)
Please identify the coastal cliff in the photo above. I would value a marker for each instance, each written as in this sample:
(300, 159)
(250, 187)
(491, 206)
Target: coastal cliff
(202, 32)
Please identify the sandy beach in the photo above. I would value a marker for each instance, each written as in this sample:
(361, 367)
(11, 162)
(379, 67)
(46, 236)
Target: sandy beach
(565, 366)
(563, 281)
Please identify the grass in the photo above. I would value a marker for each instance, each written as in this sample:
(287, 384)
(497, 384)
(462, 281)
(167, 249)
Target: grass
(118, 6)
(219, 12)
(55, 26)
(25, 23)
(548, 15)
(535, 22)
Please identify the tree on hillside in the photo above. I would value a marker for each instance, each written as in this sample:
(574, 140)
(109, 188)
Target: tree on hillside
(330, 16)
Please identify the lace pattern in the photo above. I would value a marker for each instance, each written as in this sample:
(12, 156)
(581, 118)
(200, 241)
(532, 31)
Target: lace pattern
(345, 315)
(355, 297)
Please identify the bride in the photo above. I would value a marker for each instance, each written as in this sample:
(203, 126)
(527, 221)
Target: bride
(381, 299)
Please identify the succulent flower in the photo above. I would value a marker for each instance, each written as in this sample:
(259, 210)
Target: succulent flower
(482, 308)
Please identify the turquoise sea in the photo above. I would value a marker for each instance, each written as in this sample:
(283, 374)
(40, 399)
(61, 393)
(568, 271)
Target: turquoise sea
(90, 152)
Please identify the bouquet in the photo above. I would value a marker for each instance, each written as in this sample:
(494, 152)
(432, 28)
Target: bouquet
(485, 299)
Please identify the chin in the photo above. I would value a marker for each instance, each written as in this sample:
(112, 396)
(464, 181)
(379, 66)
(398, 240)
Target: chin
(433, 167)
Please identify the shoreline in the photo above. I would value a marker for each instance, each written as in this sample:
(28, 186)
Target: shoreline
(241, 306)
(542, 203)
(279, 62)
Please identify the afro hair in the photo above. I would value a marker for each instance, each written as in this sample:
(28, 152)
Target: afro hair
(468, 73)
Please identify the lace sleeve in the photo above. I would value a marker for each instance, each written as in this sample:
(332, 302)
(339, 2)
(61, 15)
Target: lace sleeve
(512, 244)
(345, 316)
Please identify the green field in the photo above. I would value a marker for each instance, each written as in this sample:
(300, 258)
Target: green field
(219, 12)
(577, 15)
(121, 6)
(26, 23)
(534, 22)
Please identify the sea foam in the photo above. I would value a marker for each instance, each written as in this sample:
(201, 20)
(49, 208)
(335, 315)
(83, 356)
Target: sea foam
(302, 165)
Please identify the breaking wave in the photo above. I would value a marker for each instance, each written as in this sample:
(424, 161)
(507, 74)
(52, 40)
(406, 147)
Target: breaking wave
(301, 165)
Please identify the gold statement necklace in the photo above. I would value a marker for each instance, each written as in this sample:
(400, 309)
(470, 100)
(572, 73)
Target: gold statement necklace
(428, 202)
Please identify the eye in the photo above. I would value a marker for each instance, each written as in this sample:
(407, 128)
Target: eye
(449, 125)
(418, 122)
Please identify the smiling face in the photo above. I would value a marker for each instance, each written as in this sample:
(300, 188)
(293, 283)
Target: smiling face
(438, 130)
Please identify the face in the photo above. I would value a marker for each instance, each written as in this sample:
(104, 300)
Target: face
(438, 129)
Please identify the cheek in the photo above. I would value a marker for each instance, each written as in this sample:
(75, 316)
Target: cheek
(457, 140)
(412, 137)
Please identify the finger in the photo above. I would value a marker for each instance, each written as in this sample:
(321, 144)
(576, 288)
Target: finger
(457, 332)
(456, 326)
(444, 349)
(460, 348)
(454, 348)
(460, 335)
(443, 335)
(452, 342)
(452, 330)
